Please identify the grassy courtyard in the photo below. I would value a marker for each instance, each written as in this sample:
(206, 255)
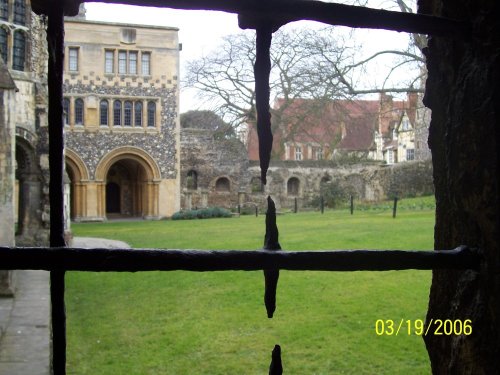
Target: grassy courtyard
(215, 323)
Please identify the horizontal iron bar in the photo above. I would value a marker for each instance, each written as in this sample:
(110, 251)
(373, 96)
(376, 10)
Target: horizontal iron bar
(283, 11)
(132, 260)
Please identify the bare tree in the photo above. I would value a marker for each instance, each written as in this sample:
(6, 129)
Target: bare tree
(225, 79)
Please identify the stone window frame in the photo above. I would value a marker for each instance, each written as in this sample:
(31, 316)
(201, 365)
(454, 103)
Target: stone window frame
(4, 45)
(151, 114)
(79, 112)
(109, 64)
(103, 112)
(127, 113)
(146, 62)
(19, 12)
(122, 62)
(117, 112)
(19, 50)
(66, 111)
(138, 113)
(73, 59)
(133, 63)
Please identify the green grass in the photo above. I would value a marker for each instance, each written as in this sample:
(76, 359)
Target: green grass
(215, 323)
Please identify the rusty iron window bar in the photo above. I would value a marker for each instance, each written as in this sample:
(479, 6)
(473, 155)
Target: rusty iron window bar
(265, 16)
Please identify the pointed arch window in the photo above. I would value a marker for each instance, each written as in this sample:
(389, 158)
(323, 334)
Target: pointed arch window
(103, 112)
(127, 114)
(19, 53)
(79, 111)
(20, 12)
(152, 114)
(117, 113)
(138, 114)
(4, 45)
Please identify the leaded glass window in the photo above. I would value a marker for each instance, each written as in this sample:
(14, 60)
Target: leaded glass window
(109, 62)
(151, 114)
(132, 63)
(73, 60)
(122, 62)
(20, 12)
(146, 63)
(79, 112)
(117, 113)
(4, 10)
(19, 52)
(138, 114)
(127, 115)
(103, 113)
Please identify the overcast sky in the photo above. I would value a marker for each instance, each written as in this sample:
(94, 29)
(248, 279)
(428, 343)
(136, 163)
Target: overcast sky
(201, 31)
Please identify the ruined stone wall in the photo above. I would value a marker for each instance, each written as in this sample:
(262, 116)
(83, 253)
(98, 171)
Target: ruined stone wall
(463, 92)
(368, 182)
(212, 159)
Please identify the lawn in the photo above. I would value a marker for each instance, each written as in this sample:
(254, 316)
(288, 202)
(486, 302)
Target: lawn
(215, 323)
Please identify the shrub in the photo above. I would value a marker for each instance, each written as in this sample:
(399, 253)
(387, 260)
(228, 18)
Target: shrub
(203, 213)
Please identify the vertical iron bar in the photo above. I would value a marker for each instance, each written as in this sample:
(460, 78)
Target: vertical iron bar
(55, 40)
(352, 204)
(262, 71)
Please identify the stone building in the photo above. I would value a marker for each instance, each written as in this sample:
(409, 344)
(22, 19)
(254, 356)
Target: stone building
(24, 173)
(121, 97)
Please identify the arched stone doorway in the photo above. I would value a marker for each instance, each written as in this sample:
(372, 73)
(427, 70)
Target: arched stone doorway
(128, 180)
(126, 189)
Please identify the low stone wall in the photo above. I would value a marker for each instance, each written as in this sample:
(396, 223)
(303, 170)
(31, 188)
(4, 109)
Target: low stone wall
(367, 182)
